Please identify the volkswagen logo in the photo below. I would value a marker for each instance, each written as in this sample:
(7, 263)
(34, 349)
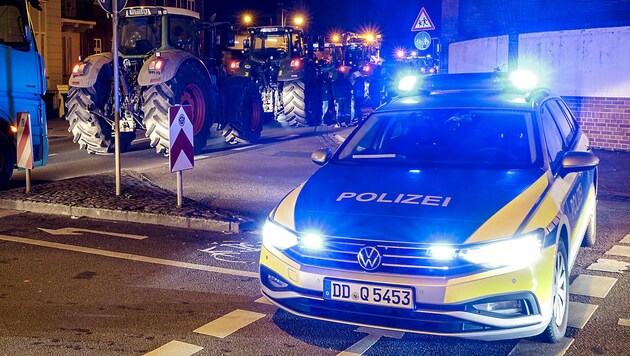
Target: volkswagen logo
(369, 258)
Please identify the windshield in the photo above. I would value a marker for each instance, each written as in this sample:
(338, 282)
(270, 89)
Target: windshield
(445, 137)
(273, 45)
(139, 35)
(12, 24)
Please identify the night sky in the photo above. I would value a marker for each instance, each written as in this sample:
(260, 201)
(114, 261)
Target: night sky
(394, 18)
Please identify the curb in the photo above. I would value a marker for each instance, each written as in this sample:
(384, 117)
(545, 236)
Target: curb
(129, 216)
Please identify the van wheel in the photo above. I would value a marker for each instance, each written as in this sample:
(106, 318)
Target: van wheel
(560, 298)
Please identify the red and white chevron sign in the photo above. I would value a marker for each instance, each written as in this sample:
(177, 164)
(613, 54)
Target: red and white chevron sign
(181, 146)
(24, 141)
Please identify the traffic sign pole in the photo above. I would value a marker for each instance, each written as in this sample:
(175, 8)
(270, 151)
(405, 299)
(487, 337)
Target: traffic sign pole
(180, 189)
(116, 100)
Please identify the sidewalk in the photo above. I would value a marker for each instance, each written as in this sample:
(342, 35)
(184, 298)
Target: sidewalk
(141, 201)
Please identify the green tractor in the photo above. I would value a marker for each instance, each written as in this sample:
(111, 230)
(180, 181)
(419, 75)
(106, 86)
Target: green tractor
(163, 61)
(280, 62)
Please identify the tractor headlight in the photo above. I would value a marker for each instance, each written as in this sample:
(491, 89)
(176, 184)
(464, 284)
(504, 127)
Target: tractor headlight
(517, 251)
(278, 237)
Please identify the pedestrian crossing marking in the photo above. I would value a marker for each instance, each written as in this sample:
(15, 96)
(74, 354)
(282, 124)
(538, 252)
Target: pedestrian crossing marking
(229, 323)
(263, 300)
(373, 335)
(619, 250)
(175, 348)
(625, 240)
(592, 286)
(624, 322)
(527, 347)
(579, 314)
(606, 265)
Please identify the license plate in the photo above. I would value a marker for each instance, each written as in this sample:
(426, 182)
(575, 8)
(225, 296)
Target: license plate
(372, 294)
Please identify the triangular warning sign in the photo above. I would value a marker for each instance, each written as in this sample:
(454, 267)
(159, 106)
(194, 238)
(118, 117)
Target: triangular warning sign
(423, 22)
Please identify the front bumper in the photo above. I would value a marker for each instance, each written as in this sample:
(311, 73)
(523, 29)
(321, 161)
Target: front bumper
(443, 306)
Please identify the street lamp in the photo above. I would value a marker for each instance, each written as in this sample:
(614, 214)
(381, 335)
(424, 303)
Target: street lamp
(298, 19)
(247, 19)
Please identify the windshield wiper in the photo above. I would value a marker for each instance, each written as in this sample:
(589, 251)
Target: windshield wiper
(381, 155)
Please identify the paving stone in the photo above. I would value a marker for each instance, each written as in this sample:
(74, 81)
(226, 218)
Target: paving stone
(606, 265)
(579, 314)
(592, 286)
(527, 347)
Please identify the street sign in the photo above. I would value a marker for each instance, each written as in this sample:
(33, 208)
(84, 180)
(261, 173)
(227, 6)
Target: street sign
(107, 5)
(422, 41)
(24, 141)
(423, 22)
(181, 147)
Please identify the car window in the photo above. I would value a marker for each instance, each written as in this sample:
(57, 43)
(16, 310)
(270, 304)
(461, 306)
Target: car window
(181, 33)
(568, 133)
(452, 137)
(569, 115)
(553, 138)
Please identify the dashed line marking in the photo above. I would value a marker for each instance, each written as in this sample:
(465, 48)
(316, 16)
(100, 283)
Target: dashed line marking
(619, 250)
(625, 240)
(245, 147)
(579, 314)
(606, 265)
(531, 348)
(592, 286)
(229, 323)
(373, 335)
(175, 348)
(624, 322)
(129, 256)
(53, 154)
(263, 300)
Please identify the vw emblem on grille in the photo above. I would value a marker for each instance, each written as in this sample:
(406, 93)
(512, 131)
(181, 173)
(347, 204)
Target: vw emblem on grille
(369, 258)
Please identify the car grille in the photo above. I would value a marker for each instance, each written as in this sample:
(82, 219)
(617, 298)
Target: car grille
(396, 258)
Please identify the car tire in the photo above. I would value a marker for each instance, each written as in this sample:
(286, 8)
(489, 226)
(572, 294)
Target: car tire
(189, 87)
(7, 160)
(88, 129)
(557, 327)
(590, 236)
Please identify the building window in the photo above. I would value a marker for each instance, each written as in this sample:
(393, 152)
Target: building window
(98, 45)
(190, 5)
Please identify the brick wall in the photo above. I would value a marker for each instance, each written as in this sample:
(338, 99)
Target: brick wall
(606, 121)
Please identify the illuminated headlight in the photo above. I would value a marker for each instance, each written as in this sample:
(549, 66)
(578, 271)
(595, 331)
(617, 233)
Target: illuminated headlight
(408, 83)
(278, 237)
(312, 241)
(518, 251)
(156, 64)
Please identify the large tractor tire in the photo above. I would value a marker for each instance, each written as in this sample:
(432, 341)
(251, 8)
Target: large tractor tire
(7, 160)
(89, 130)
(245, 115)
(190, 86)
(300, 104)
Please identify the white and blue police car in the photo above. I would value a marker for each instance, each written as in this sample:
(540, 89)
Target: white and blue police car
(456, 211)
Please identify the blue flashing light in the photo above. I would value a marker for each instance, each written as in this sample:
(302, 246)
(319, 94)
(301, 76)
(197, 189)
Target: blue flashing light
(523, 79)
(312, 241)
(408, 83)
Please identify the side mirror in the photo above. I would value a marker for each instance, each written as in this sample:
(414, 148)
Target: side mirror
(578, 161)
(246, 44)
(321, 156)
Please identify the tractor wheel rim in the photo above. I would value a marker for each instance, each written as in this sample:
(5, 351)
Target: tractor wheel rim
(193, 96)
(560, 290)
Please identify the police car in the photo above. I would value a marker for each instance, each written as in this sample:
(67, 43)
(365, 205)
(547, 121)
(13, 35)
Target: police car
(456, 211)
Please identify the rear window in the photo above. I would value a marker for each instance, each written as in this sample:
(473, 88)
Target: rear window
(445, 137)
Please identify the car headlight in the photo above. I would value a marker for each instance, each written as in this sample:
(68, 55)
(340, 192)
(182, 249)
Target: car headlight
(517, 251)
(277, 236)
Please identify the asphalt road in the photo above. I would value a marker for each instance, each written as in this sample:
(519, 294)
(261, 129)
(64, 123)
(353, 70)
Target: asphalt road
(119, 288)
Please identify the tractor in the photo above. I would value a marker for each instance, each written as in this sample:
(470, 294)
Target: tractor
(167, 57)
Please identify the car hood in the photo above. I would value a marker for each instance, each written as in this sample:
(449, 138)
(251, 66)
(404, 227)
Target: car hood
(406, 205)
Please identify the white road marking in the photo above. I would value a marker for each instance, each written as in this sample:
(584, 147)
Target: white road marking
(263, 300)
(77, 231)
(53, 154)
(7, 212)
(619, 250)
(373, 335)
(229, 323)
(141, 140)
(625, 240)
(128, 256)
(245, 147)
(624, 322)
(606, 265)
(175, 348)
(527, 347)
(579, 314)
(592, 286)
